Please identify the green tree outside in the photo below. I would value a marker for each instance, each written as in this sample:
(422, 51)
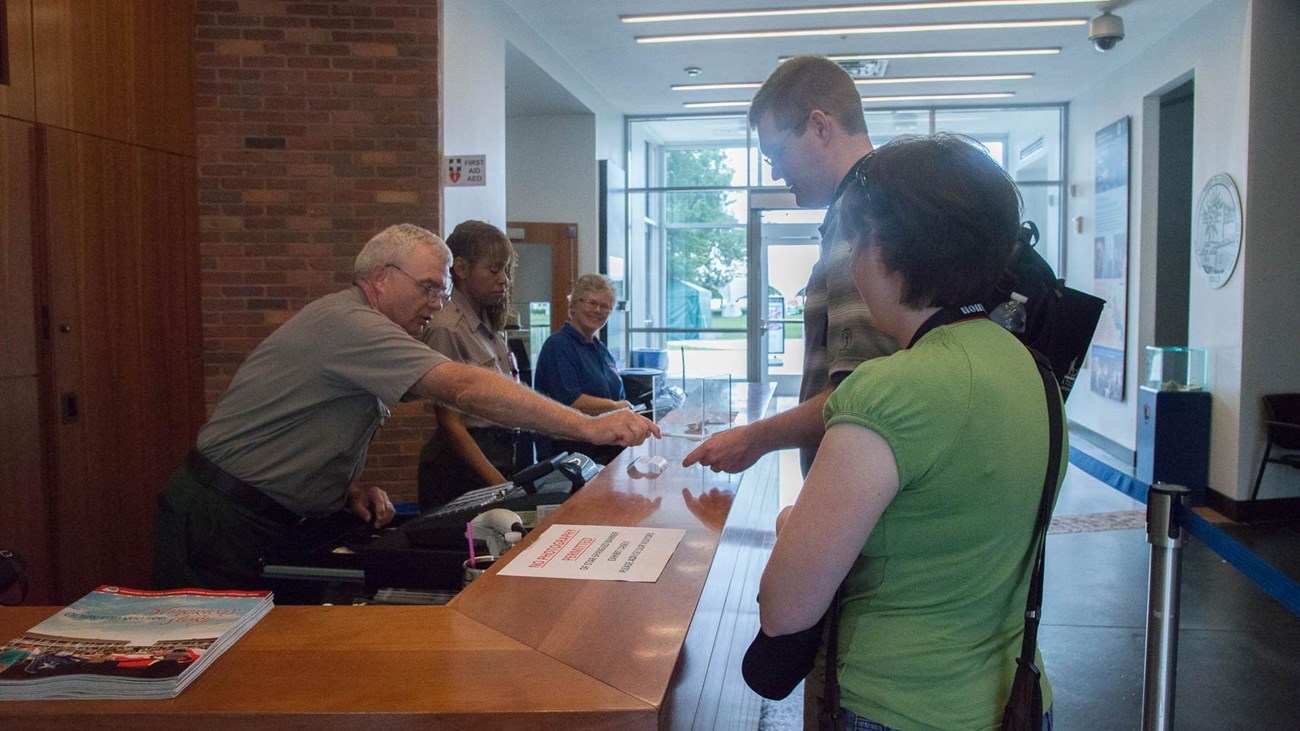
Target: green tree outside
(707, 257)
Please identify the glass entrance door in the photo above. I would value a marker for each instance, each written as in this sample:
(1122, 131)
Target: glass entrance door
(784, 245)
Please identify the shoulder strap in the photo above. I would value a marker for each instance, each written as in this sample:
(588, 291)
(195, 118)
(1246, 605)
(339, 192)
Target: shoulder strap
(1056, 434)
(829, 716)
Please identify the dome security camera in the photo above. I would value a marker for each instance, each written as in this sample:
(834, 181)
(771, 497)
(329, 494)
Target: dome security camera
(1105, 31)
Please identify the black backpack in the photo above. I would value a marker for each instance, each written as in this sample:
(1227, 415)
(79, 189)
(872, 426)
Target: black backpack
(1059, 320)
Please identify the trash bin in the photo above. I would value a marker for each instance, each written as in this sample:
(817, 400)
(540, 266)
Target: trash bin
(641, 384)
(656, 358)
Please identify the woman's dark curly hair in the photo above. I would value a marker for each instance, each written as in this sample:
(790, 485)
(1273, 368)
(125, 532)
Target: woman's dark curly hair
(475, 241)
(942, 213)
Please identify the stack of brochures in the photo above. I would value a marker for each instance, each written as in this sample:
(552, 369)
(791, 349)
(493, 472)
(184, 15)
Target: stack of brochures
(126, 643)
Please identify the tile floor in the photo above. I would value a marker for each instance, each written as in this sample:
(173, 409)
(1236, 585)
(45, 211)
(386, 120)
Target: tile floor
(1239, 650)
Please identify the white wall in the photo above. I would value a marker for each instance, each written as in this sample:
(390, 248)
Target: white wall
(1270, 258)
(474, 109)
(554, 177)
(1214, 47)
(1230, 136)
(474, 40)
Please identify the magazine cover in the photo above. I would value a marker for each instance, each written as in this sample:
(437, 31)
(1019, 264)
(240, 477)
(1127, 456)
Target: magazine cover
(115, 634)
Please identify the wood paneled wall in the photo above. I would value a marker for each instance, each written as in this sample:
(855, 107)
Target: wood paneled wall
(121, 69)
(24, 512)
(114, 396)
(17, 295)
(17, 99)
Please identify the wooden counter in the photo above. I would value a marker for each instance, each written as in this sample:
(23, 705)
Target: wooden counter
(509, 652)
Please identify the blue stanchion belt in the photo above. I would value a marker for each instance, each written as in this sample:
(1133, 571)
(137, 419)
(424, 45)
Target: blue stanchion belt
(1274, 583)
(1130, 486)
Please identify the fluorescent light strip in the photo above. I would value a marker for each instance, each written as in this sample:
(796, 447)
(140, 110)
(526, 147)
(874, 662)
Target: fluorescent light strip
(938, 97)
(715, 87)
(943, 54)
(940, 79)
(840, 9)
(890, 80)
(714, 105)
(868, 99)
(863, 30)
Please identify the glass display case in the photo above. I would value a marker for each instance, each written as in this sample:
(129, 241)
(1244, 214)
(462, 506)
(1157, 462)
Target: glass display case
(1175, 369)
(706, 406)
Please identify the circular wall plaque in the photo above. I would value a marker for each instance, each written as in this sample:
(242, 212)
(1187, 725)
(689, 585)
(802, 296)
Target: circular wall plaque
(1216, 236)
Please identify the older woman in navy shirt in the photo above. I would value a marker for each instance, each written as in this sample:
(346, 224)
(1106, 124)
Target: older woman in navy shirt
(575, 368)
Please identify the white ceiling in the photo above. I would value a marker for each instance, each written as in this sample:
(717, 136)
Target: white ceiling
(635, 78)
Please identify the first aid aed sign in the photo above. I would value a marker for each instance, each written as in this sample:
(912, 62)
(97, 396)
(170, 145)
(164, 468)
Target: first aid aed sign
(464, 170)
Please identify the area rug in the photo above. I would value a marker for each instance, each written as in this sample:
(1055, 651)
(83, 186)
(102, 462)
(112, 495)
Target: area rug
(1093, 522)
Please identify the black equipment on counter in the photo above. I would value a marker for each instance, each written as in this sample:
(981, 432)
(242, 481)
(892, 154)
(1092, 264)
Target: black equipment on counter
(427, 552)
(334, 558)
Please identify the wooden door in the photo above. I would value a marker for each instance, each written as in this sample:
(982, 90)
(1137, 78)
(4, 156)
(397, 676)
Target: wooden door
(24, 514)
(562, 238)
(127, 371)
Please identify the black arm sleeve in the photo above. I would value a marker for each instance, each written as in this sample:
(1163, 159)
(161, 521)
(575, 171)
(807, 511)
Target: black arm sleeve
(774, 666)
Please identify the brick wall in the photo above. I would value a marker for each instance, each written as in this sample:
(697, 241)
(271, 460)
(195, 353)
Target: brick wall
(318, 124)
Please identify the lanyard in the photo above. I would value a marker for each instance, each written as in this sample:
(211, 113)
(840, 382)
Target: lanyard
(947, 316)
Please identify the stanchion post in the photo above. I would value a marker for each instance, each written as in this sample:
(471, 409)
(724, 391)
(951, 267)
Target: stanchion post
(1166, 538)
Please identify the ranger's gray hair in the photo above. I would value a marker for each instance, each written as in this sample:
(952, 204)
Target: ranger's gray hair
(391, 245)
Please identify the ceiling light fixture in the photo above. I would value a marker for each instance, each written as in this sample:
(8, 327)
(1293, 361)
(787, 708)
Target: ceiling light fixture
(939, 97)
(943, 54)
(864, 30)
(941, 79)
(840, 9)
(891, 80)
(866, 99)
(715, 105)
(716, 87)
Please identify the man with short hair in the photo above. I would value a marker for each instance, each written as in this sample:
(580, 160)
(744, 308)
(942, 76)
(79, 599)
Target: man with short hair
(288, 439)
(812, 132)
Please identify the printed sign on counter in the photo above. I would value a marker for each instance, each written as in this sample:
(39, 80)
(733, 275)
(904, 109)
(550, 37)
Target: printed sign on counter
(596, 552)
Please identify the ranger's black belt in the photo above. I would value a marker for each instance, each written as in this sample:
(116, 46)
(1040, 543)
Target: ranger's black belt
(495, 433)
(237, 490)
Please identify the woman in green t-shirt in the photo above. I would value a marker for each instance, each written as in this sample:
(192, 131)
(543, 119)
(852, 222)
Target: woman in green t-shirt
(923, 496)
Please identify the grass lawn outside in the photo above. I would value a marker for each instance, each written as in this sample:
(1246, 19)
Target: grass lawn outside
(792, 331)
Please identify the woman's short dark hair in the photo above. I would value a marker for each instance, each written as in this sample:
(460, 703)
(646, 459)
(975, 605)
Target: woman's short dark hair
(942, 213)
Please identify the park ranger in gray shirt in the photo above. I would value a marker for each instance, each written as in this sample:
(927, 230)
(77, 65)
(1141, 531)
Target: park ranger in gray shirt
(288, 439)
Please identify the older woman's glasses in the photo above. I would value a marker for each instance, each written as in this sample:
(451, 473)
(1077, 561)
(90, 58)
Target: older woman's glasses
(598, 307)
(431, 290)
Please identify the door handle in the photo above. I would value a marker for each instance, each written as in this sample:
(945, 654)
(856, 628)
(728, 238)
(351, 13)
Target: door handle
(68, 408)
